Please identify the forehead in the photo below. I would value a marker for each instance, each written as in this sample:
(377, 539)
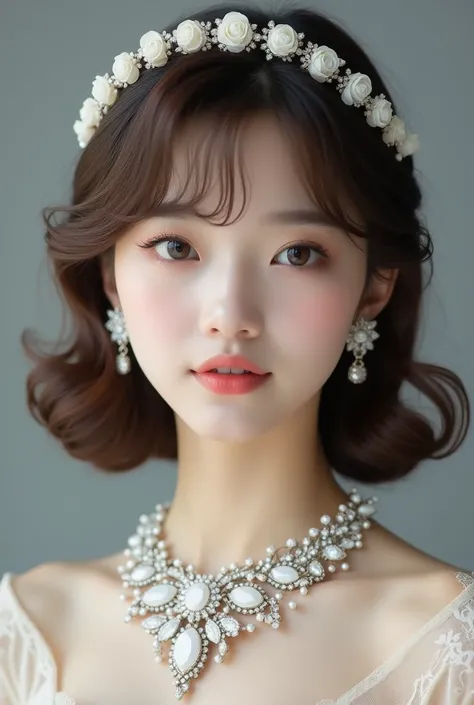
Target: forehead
(264, 167)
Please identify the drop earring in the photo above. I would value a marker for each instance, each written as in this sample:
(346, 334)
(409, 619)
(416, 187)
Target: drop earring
(361, 337)
(116, 325)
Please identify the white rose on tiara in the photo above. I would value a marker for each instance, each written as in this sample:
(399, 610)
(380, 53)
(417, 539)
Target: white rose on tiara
(381, 113)
(124, 69)
(103, 91)
(394, 132)
(190, 36)
(234, 31)
(90, 112)
(282, 40)
(154, 48)
(358, 88)
(324, 62)
(83, 132)
(410, 145)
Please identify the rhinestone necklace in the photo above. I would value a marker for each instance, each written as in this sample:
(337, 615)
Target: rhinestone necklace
(191, 611)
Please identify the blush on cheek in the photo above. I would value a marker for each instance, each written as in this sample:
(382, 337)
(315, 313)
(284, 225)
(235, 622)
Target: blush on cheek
(324, 321)
(165, 316)
(170, 318)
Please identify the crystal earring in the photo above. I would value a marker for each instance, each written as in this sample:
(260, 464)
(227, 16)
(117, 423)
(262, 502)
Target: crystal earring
(361, 337)
(116, 324)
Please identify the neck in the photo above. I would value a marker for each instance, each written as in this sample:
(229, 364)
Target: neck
(232, 500)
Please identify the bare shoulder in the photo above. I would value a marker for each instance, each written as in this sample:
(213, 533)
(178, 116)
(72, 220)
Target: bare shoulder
(51, 582)
(40, 587)
(406, 580)
(392, 592)
(43, 595)
(53, 596)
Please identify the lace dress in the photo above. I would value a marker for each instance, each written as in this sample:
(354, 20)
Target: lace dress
(435, 666)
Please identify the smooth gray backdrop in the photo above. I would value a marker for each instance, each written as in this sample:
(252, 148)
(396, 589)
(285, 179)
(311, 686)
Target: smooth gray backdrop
(55, 508)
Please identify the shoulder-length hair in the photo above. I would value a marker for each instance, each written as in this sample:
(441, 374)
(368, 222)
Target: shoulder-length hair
(116, 422)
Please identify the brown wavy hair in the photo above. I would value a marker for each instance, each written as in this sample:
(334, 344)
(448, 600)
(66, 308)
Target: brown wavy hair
(116, 422)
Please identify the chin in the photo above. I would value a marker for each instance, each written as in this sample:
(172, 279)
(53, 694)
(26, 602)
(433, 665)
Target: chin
(230, 426)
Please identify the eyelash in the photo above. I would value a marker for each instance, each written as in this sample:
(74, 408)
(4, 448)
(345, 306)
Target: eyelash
(174, 238)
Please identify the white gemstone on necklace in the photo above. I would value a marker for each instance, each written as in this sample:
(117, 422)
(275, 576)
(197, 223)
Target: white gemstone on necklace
(246, 597)
(159, 595)
(142, 572)
(153, 622)
(196, 596)
(187, 649)
(334, 553)
(212, 631)
(284, 574)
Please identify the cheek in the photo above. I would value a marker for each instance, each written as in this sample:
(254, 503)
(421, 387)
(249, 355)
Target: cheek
(321, 316)
(317, 322)
(152, 307)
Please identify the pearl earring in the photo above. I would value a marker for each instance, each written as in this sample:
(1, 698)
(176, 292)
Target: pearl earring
(361, 337)
(116, 324)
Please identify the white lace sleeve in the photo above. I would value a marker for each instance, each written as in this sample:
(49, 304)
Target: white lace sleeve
(450, 676)
(27, 669)
(436, 666)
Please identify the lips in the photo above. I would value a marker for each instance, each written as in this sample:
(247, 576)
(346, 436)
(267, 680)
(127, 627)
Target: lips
(231, 384)
(230, 361)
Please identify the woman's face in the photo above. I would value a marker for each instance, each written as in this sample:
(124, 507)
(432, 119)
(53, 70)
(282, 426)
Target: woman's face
(239, 289)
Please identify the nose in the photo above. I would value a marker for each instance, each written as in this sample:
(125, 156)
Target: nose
(230, 310)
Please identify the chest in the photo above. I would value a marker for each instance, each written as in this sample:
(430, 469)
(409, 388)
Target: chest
(314, 655)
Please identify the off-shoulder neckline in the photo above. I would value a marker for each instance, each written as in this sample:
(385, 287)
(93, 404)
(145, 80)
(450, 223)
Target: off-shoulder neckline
(466, 579)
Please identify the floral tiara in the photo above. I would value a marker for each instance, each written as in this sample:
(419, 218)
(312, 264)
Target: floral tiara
(234, 33)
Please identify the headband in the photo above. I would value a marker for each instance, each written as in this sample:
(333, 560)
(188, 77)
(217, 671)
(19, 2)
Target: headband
(234, 33)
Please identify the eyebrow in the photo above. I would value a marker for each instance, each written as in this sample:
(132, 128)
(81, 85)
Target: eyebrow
(298, 216)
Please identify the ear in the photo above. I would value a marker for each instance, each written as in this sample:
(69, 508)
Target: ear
(378, 294)
(106, 263)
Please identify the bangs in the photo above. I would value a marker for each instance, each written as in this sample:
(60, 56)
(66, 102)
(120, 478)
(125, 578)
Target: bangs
(220, 93)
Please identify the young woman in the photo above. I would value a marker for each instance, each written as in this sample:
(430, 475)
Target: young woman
(244, 230)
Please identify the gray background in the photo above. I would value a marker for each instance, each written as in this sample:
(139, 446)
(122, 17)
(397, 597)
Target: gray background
(55, 508)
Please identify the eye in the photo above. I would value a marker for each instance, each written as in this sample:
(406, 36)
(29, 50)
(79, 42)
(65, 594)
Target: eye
(300, 254)
(177, 246)
(177, 249)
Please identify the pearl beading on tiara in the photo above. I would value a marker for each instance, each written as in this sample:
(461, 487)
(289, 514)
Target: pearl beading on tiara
(235, 33)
